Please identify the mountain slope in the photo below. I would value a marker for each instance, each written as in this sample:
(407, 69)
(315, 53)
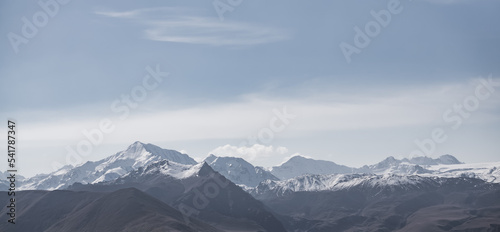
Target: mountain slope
(198, 191)
(392, 204)
(337, 182)
(122, 210)
(41, 209)
(239, 171)
(444, 166)
(136, 155)
(297, 166)
(5, 183)
(391, 165)
(489, 172)
(408, 166)
(129, 210)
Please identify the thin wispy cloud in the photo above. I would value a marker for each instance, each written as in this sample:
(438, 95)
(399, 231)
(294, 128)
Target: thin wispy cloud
(124, 14)
(185, 26)
(146, 12)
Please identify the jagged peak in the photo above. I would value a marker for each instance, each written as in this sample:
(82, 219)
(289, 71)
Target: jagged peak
(211, 158)
(390, 159)
(422, 160)
(143, 152)
(146, 146)
(205, 170)
(136, 144)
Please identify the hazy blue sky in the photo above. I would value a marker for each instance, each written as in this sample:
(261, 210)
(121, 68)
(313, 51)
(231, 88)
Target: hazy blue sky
(228, 77)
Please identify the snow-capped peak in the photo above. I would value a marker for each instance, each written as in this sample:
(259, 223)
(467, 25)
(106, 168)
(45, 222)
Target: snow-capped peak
(336, 182)
(238, 170)
(135, 156)
(424, 160)
(139, 154)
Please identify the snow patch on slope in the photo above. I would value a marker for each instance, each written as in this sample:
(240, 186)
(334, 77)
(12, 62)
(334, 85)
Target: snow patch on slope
(489, 172)
(335, 182)
(239, 171)
(135, 156)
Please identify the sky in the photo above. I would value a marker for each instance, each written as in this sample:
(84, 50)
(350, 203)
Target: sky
(352, 82)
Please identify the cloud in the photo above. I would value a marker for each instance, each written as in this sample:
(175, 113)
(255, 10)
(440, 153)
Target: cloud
(185, 26)
(250, 114)
(249, 153)
(317, 113)
(143, 12)
(124, 14)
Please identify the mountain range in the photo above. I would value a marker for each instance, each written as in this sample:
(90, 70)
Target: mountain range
(239, 170)
(173, 192)
(136, 155)
(244, 173)
(195, 190)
